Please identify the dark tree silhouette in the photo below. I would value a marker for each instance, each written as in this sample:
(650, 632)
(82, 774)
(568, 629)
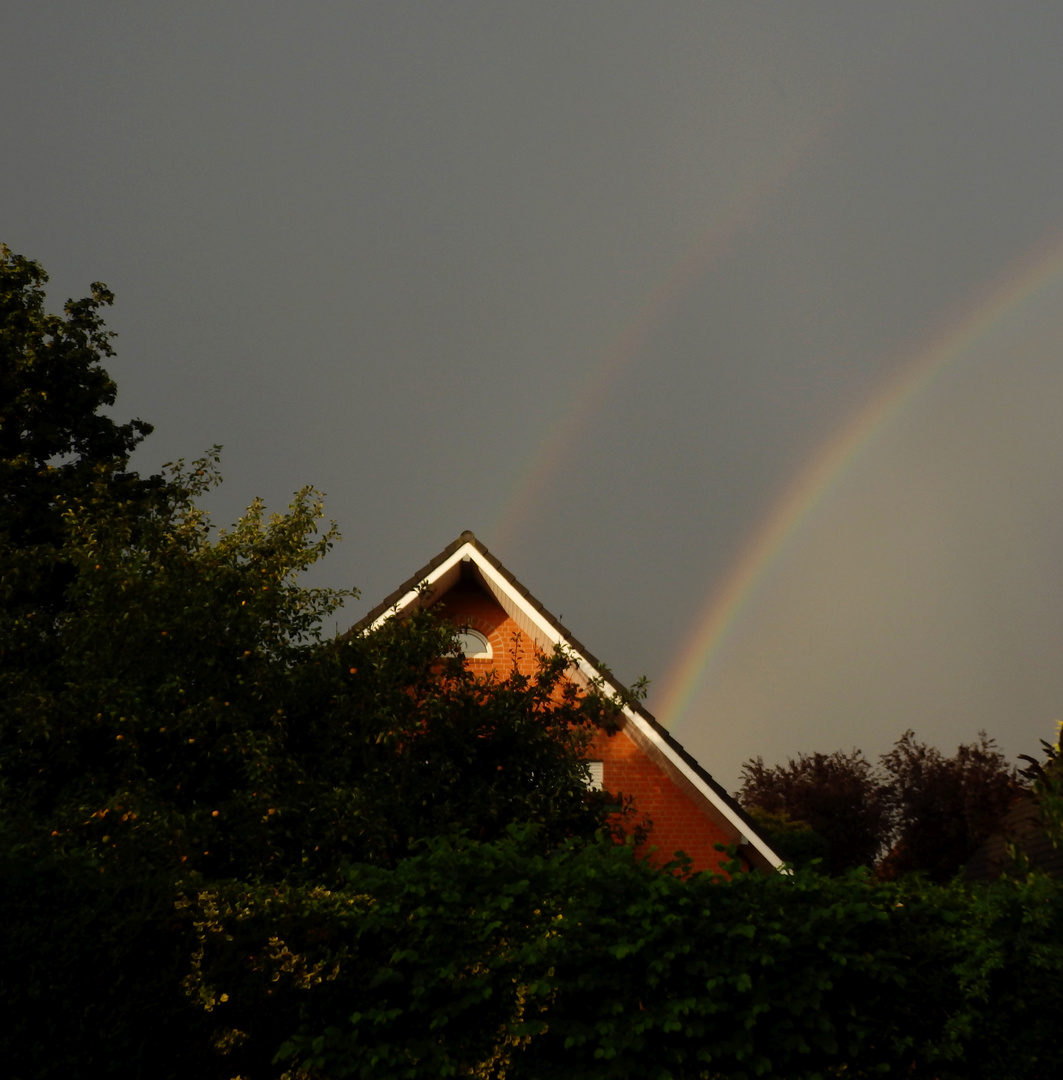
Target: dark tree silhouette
(56, 445)
(916, 811)
(839, 795)
(942, 808)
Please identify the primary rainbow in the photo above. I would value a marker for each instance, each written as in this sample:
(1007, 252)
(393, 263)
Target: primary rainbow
(940, 348)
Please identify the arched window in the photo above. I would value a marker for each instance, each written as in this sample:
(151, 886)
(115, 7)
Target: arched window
(474, 646)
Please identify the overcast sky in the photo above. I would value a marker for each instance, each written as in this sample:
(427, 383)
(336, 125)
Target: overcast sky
(604, 282)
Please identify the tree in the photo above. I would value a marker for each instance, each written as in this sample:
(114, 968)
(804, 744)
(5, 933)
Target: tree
(916, 811)
(941, 809)
(586, 963)
(57, 450)
(194, 728)
(839, 796)
(1046, 780)
(172, 718)
(192, 685)
(54, 443)
(796, 842)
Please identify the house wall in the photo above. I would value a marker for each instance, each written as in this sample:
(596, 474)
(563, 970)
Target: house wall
(466, 604)
(660, 793)
(674, 808)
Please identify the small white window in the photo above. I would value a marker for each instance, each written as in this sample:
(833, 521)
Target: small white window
(474, 646)
(597, 778)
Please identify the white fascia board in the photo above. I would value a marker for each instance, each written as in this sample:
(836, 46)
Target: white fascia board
(727, 811)
(551, 633)
(404, 602)
(531, 613)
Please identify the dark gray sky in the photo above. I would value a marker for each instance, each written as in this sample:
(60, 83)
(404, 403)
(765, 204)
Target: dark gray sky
(600, 281)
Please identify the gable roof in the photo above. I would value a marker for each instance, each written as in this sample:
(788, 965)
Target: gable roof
(456, 560)
(1023, 826)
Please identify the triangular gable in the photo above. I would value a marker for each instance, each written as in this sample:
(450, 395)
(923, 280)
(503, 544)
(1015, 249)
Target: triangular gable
(467, 557)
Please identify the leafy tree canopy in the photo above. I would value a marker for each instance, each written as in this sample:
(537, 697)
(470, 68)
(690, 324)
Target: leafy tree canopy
(171, 714)
(840, 796)
(941, 808)
(1046, 779)
(55, 444)
(194, 718)
(58, 450)
(917, 810)
(188, 711)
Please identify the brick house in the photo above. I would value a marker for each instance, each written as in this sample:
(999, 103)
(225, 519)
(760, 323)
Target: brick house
(506, 627)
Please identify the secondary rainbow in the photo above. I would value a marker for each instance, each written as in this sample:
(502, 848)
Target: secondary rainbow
(945, 345)
(739, 213)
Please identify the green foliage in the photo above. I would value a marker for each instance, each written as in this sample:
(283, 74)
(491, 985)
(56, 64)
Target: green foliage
(171, 717)
(579, 962)
(56, 449)
(1046, 778)
(187, 759)
(193, 718)
(193, 730)
(795, 841)
(54, 443)
(917, 811)
(839, 796)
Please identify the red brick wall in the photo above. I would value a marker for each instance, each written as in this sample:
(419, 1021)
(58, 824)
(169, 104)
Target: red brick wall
(468, 605)
(679, 822)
